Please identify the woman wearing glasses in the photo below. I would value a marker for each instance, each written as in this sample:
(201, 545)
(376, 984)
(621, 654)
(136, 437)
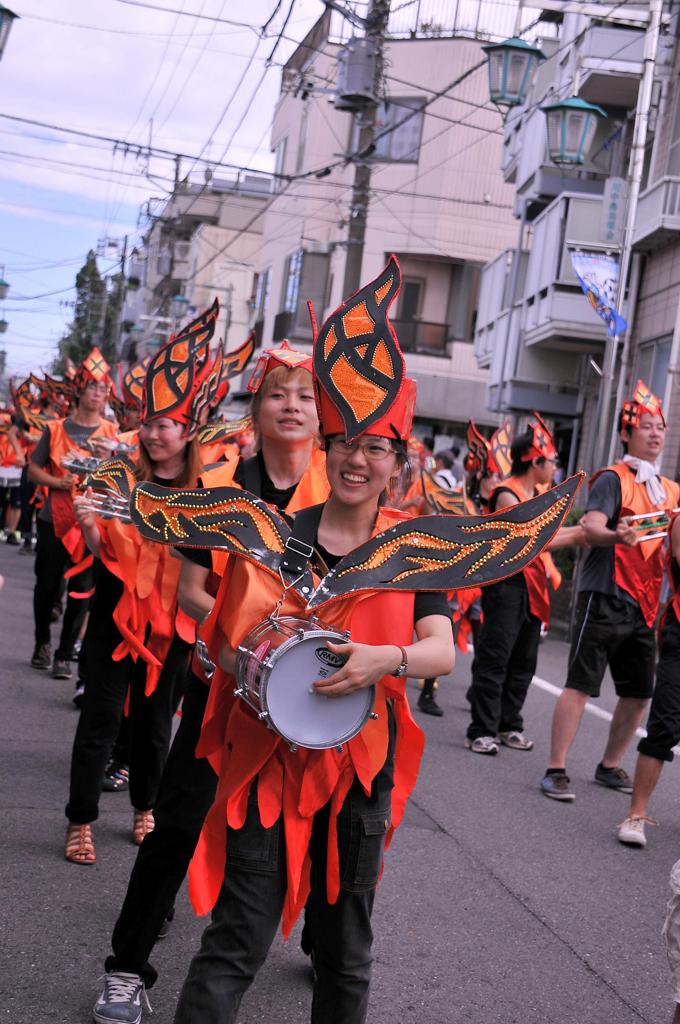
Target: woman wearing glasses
(309, 827)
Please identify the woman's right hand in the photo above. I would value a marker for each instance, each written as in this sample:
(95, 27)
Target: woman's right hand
(85, 517)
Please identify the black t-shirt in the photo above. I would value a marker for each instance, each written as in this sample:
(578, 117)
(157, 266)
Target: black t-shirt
(598, 569)
(269, 492)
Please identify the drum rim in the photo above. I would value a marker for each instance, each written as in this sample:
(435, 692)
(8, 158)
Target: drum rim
(320, 630)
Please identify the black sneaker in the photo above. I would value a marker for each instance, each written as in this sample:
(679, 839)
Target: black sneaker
(116, 777)
(556, 786)
(614, 778)
(79, 695)
(121, 1000)
(42, 656)
(428, 705)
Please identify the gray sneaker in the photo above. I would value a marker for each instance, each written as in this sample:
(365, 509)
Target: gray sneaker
(121, 1000)
(557, 787)
(614, 778)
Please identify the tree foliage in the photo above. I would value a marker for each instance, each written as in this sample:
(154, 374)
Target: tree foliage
(94, 320)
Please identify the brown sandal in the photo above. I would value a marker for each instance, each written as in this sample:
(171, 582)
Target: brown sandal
(79, 847)
(142, 824)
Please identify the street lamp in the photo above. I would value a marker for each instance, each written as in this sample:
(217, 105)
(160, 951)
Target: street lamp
(3, 326)
(511, 65)
(6, 19)
(571, 127)
(4, 288)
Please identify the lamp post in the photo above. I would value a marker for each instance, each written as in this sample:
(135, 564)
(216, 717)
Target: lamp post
(571, 126)
(7, 18)
(511, 66)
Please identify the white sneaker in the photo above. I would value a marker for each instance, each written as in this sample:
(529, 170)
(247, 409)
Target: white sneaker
(483, 745)
(121, 1000)
(515, 740)
(632, 831)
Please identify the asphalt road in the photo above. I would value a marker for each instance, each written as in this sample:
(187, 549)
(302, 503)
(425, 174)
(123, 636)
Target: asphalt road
(497, 905)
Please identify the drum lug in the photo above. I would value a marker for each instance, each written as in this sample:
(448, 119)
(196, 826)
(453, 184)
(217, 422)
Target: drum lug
(263, 715)
(374, 715)
(239, 692)
(339, 748)
(293, 748)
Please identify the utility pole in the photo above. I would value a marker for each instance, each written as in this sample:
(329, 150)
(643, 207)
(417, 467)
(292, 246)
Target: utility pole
(376, 26)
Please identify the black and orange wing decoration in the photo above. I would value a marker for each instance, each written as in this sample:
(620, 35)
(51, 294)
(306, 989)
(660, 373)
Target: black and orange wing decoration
(170, 383)
(213, 432)
(117, 474)
(358, 366)
(451, 552)
(221, 518)
(501, 443)
(442, 499)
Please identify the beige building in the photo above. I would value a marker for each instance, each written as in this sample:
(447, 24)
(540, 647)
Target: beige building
(438, 201)
(203, 243)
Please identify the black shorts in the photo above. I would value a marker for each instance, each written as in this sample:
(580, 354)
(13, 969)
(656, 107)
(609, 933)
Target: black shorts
(663, 727)
(611, 631)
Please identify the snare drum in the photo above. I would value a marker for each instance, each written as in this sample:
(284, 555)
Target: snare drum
(276, 665)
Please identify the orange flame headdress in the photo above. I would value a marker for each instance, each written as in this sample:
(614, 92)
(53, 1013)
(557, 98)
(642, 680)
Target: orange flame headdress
(359, 373)
(93, 368)
(178, 377)
(281, 355)
(128, 388)
(642, 401)
(543, 444)
(479, 458)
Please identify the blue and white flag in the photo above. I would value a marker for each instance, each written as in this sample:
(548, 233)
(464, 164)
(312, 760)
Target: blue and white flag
(598, 275)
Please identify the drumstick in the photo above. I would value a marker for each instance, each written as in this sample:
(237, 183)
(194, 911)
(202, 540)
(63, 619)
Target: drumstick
(651, 515)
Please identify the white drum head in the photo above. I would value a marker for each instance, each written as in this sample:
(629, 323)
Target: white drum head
(308, 719)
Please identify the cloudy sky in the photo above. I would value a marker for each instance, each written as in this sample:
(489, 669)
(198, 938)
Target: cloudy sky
(110, 67)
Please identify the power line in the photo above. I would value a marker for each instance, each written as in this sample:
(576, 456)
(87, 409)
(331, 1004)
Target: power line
(189, 14)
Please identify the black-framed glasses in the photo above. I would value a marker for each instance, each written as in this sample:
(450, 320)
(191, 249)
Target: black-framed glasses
(373, 449)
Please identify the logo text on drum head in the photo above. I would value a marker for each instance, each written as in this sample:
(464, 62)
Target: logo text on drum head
(329, 658)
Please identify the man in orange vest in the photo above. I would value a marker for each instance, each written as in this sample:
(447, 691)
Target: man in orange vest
(620, 591)
(505, 659)
(60, 543)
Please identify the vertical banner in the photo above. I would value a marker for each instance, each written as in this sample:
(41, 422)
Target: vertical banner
(598, 275)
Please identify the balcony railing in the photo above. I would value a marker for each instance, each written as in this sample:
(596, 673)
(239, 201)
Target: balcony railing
(422, 336)
(658, 214)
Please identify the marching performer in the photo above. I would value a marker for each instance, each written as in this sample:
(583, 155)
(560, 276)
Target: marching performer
(60, 543)
(663, 725)
(287, 472)
(138, 638)
(620, 590)
(505, 661)
(305, 823)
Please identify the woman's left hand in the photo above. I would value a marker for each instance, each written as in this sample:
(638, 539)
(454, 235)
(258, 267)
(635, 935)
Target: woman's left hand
(365, 665)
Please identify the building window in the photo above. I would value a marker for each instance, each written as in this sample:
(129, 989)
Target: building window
(412, 291)
(652, 364)
(403, 144)
(463, 297)
(291, 282)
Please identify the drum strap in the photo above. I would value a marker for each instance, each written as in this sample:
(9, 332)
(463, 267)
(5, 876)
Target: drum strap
(300, 544)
